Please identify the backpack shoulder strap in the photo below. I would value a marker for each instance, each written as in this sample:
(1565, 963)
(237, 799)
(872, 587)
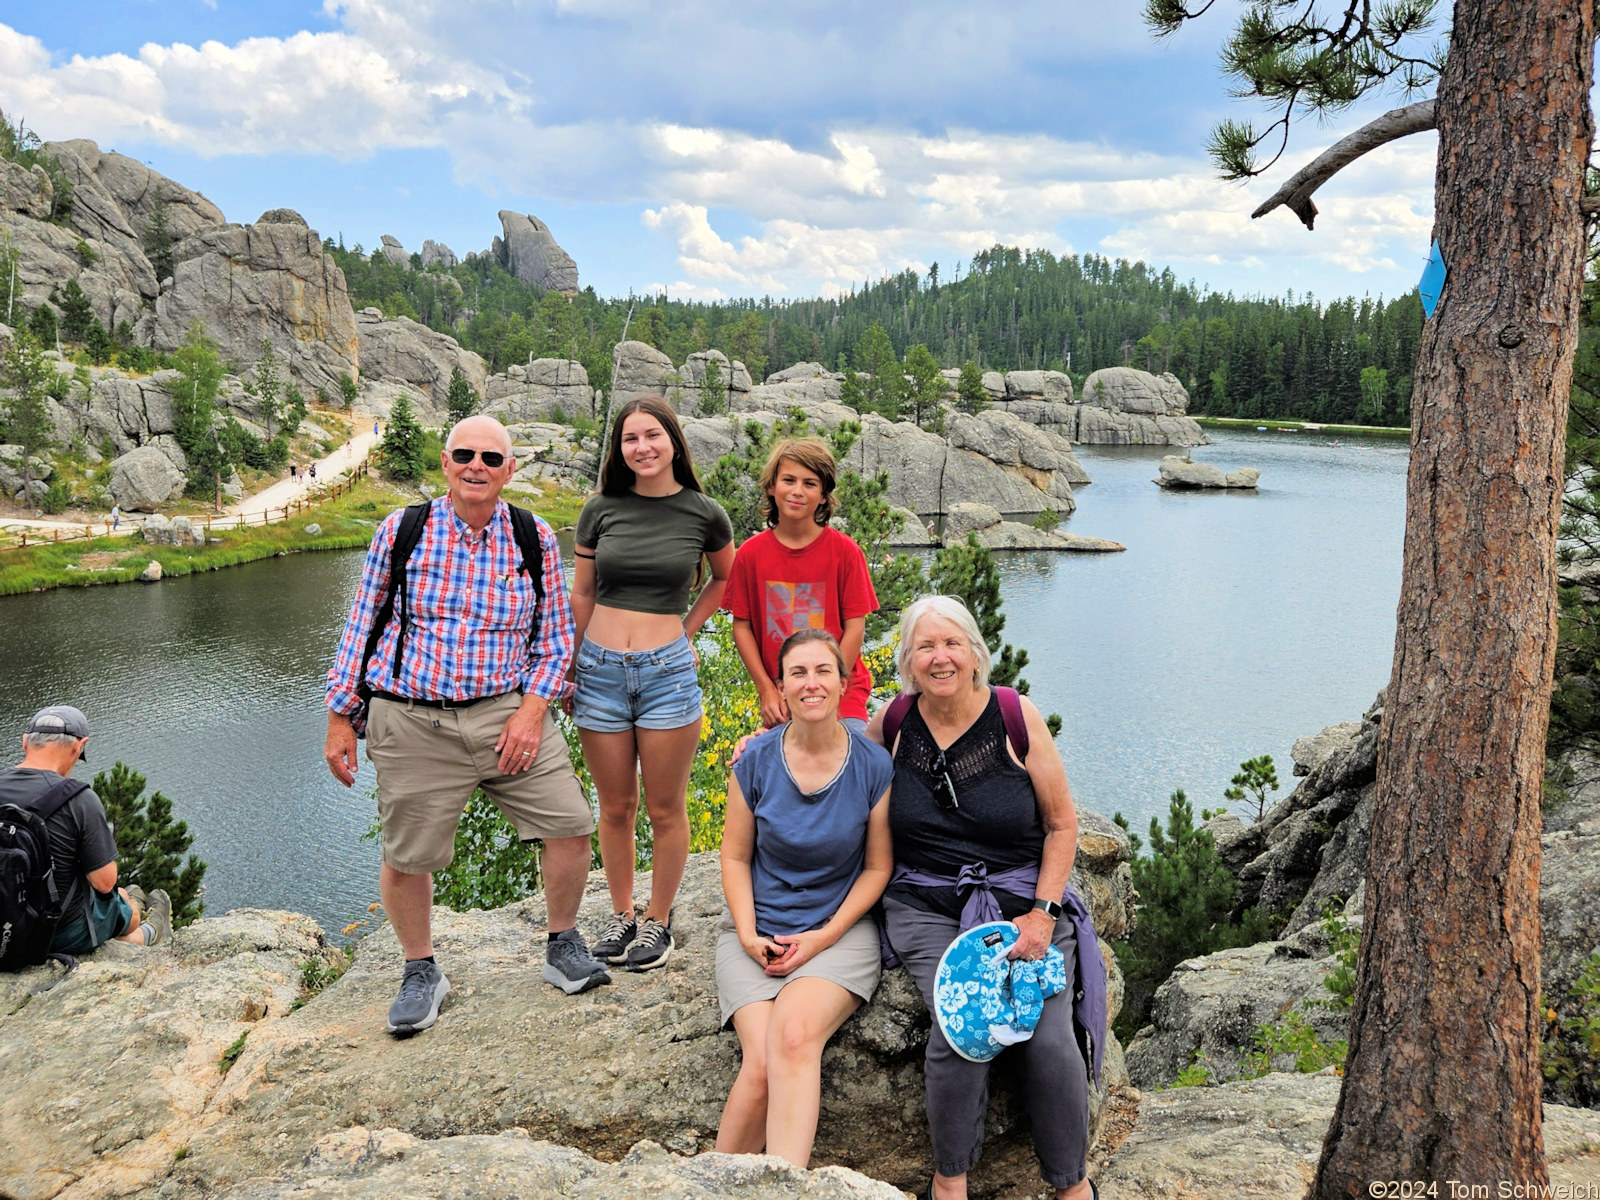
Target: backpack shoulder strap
(1016, 725)
(57, 797)
(894, 717)
(406, 537)
(525, 528)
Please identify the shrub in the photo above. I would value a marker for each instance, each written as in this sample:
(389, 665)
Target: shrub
(1293, 1035)
(1048, 520)
(150, 842)
(57, 497)
(347, 389)
(1256, 777)
(402, 452)
(1185, 897)
(492, 868)
(1570, 1055)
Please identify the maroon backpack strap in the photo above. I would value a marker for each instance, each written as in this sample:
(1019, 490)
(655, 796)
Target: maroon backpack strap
(894, 716)
(1011, 714)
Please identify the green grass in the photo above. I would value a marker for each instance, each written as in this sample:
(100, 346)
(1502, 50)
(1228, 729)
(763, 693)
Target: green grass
(347, 524)
(1306, 426)
(231, 1054)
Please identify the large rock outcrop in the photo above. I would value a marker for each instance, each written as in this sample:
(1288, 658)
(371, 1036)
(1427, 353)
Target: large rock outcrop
(146, 477)
(1263, 1139)
(392, 250)
(104, 1103)
(641, 370)
(1178, 473)
(1129, 390)
(984, 522)
(399, 350)
(437, 252)
(270, 281)
(545, 388)
(529, 251)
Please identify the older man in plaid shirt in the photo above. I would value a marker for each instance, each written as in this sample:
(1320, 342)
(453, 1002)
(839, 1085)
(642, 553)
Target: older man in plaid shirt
(469, 708)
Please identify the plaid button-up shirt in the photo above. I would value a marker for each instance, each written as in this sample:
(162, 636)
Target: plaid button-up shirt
(470, 611)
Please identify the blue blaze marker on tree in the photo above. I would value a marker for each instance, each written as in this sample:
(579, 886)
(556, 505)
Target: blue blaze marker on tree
(1432, 281)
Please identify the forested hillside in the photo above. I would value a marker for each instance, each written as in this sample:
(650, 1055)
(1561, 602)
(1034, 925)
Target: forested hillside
(1344, 361)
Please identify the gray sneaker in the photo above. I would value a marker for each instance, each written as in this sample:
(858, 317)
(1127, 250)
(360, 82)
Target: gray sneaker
(157, 919)
(140, 900)
(423, 988)
(569, 966)
(615, 937)
(653, 946)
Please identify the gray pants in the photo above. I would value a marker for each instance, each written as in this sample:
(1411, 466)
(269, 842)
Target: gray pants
(1055, 1083)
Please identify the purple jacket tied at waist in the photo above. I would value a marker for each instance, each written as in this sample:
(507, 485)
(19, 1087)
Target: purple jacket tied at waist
(976, 887)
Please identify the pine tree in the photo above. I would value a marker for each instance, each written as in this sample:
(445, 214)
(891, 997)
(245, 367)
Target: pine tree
(924, 388)
(713, 390)
(27, 421)
(267, 388)
(462, 401)
(970, 394)
(76, 311)
(194, 395)
(402, 451)
(157, 237)
(348, 392)
(150, 843)
(97, 342)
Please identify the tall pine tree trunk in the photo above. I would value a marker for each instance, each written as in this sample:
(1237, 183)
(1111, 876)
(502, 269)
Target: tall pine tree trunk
(1443, 1077)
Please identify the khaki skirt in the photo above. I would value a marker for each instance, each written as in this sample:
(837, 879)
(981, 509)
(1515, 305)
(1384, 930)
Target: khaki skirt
(854, 962)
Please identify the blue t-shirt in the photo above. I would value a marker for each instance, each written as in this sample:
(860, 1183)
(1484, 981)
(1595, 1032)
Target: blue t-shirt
(810, 849)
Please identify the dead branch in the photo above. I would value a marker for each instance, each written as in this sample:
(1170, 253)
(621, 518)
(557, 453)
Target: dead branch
(1295, 194)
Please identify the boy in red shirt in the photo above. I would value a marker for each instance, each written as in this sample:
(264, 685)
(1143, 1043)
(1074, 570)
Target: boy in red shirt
(800, 573)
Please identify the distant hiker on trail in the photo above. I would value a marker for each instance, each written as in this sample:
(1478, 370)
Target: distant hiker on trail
(312, 470)
(292, 469)
(641, 544)
(460, 686)
(78, 858)
(116, 516)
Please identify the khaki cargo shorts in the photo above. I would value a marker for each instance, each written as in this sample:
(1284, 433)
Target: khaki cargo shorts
(429, 760)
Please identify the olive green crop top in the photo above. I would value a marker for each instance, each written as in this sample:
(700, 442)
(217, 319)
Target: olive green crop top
(646, 548)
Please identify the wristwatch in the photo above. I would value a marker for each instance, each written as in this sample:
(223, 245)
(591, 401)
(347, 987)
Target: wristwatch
(1050, 907)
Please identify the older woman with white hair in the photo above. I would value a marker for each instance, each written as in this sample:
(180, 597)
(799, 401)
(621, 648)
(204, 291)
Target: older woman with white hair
(984, 829)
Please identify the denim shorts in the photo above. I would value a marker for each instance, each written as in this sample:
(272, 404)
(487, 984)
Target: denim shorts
(649, 689)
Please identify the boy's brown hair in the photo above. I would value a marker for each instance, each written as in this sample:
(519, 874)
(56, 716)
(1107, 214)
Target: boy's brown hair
(814, 455)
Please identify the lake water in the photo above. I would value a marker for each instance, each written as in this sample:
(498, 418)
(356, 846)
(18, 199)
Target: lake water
(1233, 624)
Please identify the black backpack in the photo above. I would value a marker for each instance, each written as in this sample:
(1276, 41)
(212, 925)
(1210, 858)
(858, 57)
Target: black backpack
(524, 528)
(30, 903)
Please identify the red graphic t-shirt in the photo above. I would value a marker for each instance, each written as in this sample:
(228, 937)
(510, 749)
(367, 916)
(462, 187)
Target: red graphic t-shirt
(779, 591)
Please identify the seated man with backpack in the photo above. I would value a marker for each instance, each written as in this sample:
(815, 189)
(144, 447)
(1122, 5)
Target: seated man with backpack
(58, 891)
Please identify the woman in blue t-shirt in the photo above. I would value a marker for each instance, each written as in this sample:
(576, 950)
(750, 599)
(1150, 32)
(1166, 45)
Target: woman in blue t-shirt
(805, 856)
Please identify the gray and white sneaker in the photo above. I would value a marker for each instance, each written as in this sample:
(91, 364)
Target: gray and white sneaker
(615, 937)
(653, 946)
(423, 988)
(569, 966)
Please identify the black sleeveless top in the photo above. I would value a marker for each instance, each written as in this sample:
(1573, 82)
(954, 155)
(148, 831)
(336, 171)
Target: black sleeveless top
(997, 821)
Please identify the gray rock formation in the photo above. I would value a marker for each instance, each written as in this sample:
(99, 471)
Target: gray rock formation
(1264, 1137)
(268, 281)
(362, 1164)
(25, 190)
(985, 522)
(1107, 427)
(179, 531)
(1037, 455)
(392, 250)
(641, 370)
(691, 381)
(144, 479)
(399, 350)
(151, 573)
(551, 451)
(1312, 751)
(640, 1060)
(802, 371)
(1126, 389)
(544, 388)
(1053, 387)
(1180, 473)
(808, 393)
(529, 251)
(436, 252)
(929, 475)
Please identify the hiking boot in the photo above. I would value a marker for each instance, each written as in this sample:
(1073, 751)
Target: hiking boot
(157, 918)
(615, 937)
(139, 899)
(423, 988)
(653, 946)
(569, 966)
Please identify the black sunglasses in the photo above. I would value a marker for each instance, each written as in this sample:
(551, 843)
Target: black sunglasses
(461, 456)
(944, 788)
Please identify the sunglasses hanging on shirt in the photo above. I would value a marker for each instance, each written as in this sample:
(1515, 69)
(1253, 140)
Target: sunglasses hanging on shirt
(944, 788)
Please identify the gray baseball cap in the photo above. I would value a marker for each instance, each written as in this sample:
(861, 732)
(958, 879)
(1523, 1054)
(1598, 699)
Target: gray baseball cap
(60, 719)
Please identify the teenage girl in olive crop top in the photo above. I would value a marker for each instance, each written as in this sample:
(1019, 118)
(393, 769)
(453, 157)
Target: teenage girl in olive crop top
(637, 702)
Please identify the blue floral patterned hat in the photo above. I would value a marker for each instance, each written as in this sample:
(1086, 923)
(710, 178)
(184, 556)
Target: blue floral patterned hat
(982, 1001)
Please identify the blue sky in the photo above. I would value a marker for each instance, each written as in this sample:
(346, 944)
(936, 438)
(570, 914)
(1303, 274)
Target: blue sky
(718, 149)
